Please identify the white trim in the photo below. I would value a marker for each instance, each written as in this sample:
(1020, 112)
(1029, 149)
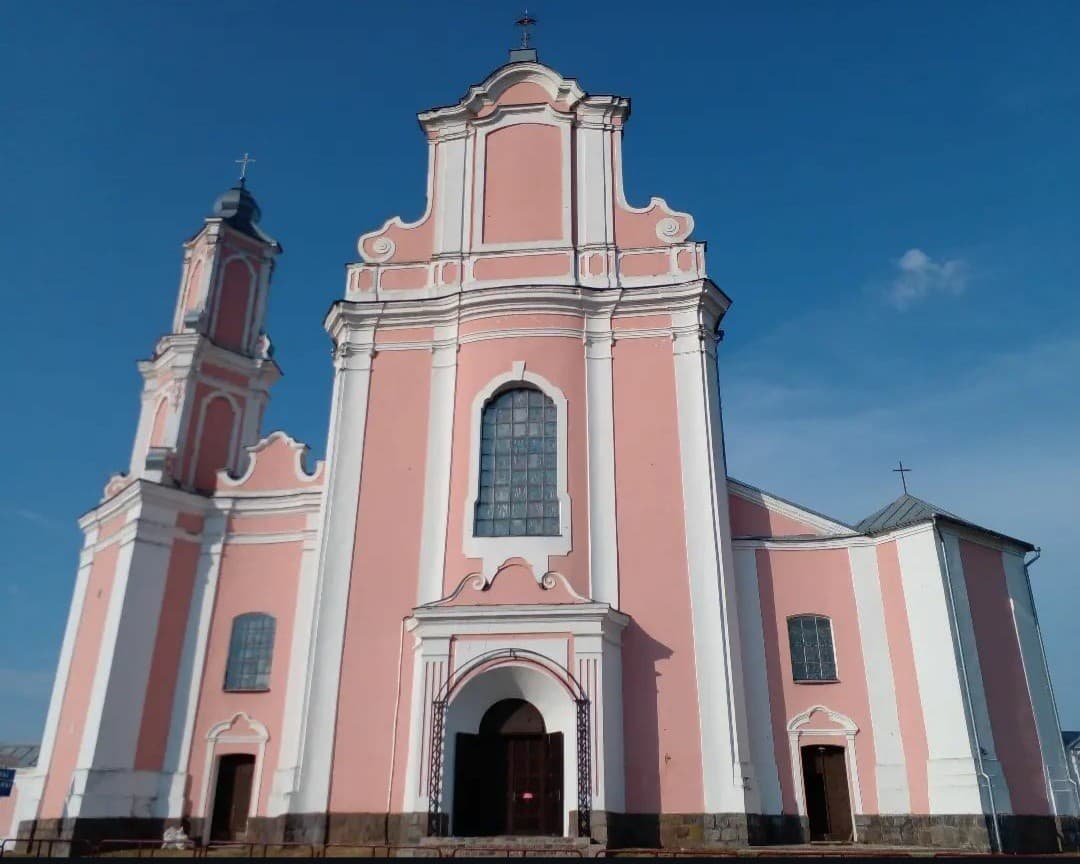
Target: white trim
(603, 530)
(189, 677)
(440, 438)
(219, 734)
(758, 704)
(951, 776)
(786, 508)
(845, 728)
(341, 499)
(493, 551)
(727, 772)
(890, 769)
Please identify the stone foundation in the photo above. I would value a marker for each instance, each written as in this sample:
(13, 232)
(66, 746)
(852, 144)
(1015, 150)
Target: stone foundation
(969, 832)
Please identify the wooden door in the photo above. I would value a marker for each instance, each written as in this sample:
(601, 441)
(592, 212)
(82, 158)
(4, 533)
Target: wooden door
(479, 786)
(828, 804)
(526, 786)
(232, 796)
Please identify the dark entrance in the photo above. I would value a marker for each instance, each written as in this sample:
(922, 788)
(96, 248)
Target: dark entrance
(828, 806)
(508, 779)
(232, 796)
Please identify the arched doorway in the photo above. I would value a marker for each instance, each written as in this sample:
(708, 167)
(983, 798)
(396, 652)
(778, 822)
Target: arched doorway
(508, 777)
(828, 803)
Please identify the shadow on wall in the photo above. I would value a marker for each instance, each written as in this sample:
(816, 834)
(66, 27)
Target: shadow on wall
(641, 731)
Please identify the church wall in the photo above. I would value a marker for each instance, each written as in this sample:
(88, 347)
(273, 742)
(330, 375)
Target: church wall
(1004, 679)
(172, 623)
(662, 735)
(754, 520)
(84, 662)
(561, 361)
(905, 679)
(8, 828)
(375, 680)
(816, 581)
(253, 577)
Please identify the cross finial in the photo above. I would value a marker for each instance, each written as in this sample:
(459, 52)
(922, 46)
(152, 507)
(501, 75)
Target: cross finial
(903, 472)
(243, 162)
(525, 22)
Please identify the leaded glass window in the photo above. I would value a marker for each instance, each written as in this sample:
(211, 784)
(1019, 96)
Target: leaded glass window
(519, 475)
(251, 648)
(812, 656)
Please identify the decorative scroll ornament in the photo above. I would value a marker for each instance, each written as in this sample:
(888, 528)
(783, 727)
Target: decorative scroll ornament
(382, 249)
(668, 229)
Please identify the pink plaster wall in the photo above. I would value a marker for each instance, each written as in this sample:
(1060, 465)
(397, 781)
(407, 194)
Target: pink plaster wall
(818, 582)
(660, 710)
(638, 230)
(542, 266)
(229, 376)
(905, 680)
(639, 322)
(273, 468)
(523, 184)
(157, 430)
(403, 278)
(525, 93)
(645, 264)
(84, 661)
(237, 290)
(562, 362)
(192, 298)
(1011, 717)
(252, 578)
(172, 622)
(755, 520)
(7, 813)
(522, 321)
(214, 446)
(385, 573)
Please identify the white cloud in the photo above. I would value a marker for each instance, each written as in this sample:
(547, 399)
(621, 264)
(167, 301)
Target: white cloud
(920, 276)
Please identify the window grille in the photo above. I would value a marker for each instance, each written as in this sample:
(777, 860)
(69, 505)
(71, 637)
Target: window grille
(812, 654)
(519, 477)
(251, 650)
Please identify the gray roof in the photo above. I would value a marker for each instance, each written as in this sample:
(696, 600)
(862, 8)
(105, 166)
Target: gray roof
(18, 755)
(905, 510)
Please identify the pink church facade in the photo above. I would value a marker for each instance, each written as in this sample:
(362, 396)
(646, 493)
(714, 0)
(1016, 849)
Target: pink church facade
(520, 595)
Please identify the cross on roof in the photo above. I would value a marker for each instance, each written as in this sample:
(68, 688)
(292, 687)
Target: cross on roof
(243, 162)
(903, 472)
(525, 22)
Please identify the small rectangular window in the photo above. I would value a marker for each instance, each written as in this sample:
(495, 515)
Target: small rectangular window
(812, 654)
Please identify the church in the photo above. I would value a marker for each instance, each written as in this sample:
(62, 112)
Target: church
(521, 597)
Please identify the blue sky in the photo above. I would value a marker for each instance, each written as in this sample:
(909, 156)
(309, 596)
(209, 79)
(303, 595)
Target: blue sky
(888, 191)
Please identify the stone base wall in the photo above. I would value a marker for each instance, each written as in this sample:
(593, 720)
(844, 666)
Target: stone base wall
(969, 832)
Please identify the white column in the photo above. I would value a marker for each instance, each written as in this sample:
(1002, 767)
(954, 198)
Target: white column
(1063, 794)
(603, 535)
(285, 777)
(727, 773)
(893, 795)
(951, 774)
(341, 497)
(758, 706)
(104, 783)
(431, 666)
(190, 671)
(437, 477)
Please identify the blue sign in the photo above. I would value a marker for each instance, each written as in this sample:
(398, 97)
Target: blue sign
(7, 780)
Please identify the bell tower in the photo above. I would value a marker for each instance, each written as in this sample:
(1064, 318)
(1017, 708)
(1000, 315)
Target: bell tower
(207, 383)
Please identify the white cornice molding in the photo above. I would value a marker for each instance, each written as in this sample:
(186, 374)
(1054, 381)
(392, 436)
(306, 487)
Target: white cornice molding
(465, 306)
(846, 541)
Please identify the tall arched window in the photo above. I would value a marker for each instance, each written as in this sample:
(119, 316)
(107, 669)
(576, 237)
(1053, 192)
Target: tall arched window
(251, 649)
(518, 493)
(812, 654)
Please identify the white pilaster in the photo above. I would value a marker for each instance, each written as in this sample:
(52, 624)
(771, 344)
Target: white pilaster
(951, 774)
(1063, 794)
(341, 498)
(190, 671)
(727, 774)
(437, 466)
(893, 795)
(756, 676)
(603, 535)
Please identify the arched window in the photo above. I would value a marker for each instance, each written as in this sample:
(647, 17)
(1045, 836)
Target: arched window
(518, 492)
(812, 654)
(251, 648)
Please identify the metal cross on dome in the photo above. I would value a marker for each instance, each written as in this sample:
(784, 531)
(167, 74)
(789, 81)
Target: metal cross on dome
(903, 472)
(525, 22)
(243, 162)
